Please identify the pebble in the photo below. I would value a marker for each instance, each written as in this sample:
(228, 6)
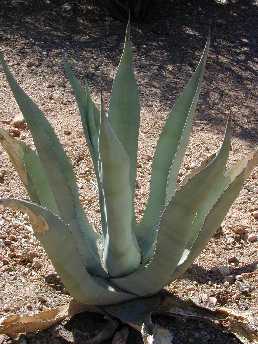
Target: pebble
(42, 299)
(14, 132)
(204, 297)
(5, 261)
(148, 157)
(52, 278)
(33, 63)
(19, 122)
(236, 296)
(255, 214)
(6, 121)
(13, 237)
(2, 175)
(36, 264)
(233, 260)
(213, 301)
(7, 242)
(240, 230)
(26, 258)
(230, 240)
(245, 288)
(253, 237)
(67, 132)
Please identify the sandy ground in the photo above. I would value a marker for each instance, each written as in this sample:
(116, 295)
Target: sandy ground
(166, 53)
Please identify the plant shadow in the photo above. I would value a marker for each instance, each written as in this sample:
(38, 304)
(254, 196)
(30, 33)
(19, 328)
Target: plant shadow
(84, 326)
(167, 50)
(201, 275)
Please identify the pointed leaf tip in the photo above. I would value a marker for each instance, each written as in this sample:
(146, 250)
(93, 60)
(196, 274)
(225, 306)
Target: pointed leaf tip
(128, 30)
(124, 107)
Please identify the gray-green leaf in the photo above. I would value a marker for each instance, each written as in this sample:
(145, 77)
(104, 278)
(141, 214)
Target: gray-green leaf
(169, 155)
(235, 177)
(124, 108)
(121, 252)
(90, 117)
(30, 170)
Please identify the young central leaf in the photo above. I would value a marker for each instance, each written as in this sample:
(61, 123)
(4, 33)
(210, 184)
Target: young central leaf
(121, 252)
(124, 108)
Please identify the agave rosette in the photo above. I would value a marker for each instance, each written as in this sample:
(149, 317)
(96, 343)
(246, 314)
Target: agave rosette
(125, 259)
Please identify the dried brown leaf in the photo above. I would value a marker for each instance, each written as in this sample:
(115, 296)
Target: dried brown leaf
(15, 325)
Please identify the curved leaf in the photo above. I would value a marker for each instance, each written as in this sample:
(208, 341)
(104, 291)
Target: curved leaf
(236, 177)
(55, 235)
(30, 170)
(58, 170)
(90, 117)
(169, 155)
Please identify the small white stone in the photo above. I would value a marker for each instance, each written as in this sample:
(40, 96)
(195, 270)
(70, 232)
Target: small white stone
(230, 240)
(19, 122)
(213, 301)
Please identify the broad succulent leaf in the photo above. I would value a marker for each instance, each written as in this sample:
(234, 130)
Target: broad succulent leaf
(30, 170)
(124, 107)
(169, 155)
(235, 177)
(213, 175)
(180, 222)
(121, 251)
(55, 235)
(58, 170)
(90, 117)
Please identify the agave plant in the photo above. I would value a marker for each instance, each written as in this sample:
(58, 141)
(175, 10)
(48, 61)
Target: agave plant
(124, 260)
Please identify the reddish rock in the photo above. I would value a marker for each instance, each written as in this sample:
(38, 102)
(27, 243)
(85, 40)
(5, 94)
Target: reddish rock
(253, 237)
(14, 132)
(255, 214)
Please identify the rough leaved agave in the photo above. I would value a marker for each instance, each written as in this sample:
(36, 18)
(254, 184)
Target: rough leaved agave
(124, 260)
